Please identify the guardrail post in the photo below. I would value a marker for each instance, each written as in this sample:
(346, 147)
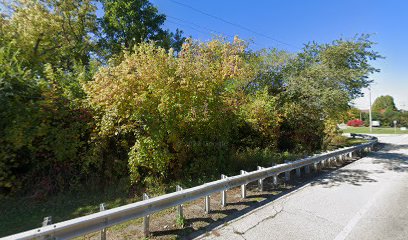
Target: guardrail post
(307, 169)
(260, 181)
(207, 204)
(47, 221)
(316, 166)
(223, 194)
(287, 176)
(146, 219)
(243, 186)
(103, 231)
(179, 207)
(322, 164)
(332, 161)
(275, 180)
(298, 172)
(336, 160)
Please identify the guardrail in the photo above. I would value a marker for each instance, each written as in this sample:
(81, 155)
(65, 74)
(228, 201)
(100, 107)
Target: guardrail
(107, 218)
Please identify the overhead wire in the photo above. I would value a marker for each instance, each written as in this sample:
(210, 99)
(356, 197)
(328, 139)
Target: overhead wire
(209, 30)
(233, 24)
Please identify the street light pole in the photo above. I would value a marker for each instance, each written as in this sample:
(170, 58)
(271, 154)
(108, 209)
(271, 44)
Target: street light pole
(369, 110)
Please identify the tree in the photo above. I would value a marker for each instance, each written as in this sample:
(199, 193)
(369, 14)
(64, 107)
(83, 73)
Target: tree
(319, 82)
(57, 32)
(44, 56)
(126, 23)
(383, 104)
(182, 110)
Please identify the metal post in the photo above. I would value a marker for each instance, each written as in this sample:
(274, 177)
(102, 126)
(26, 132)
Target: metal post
(307, 169)
(260, 181)
(369, 111)
(316, 166)
(47, 221)
(207, 204)
(179, 207)
(287, 176)
(223, 194)
(298, 173)
(243, 186)
(146, 219)
(275, 180)
(103, 231)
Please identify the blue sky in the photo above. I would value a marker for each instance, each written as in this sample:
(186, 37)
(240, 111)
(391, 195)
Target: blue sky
(294, 22)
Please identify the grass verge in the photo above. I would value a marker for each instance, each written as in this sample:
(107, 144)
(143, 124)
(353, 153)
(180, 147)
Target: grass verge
(376, 130)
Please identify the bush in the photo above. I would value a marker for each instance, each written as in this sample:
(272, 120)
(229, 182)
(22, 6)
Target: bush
(43, 136)
(355, 123)
(182, 110)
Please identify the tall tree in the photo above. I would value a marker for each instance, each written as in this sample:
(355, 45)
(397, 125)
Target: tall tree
(128, 22)
(383, 104)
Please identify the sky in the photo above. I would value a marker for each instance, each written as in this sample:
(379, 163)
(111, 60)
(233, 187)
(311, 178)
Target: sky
(289, 24)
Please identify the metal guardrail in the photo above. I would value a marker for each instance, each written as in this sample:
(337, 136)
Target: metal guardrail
(107, 218)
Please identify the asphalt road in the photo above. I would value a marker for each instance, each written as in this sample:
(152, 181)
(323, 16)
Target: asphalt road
(367, 199)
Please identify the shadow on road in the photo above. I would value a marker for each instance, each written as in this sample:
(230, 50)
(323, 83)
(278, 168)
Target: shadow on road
(390, 160)
(354, 177)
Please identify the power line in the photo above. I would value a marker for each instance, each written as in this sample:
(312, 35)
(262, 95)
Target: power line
(209, 30)
(187, 26)
(233, 24)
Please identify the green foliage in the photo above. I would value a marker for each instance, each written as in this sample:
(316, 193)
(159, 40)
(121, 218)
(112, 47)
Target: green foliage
(159, 111)
(180, 221)
(181, 110)
(42, 136)
(383, 104)
(385, 111)
(55, 31)
(126, 23)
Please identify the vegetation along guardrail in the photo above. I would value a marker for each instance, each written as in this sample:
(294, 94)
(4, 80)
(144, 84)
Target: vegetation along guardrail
(101, 220)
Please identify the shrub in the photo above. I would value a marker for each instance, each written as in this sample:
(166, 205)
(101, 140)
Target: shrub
(355, 123)
(182, 110)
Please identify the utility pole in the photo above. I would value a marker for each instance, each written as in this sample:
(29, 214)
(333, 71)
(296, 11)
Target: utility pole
(369, 110)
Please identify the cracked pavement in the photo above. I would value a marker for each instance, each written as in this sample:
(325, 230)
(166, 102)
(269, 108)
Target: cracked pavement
(367, 199)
